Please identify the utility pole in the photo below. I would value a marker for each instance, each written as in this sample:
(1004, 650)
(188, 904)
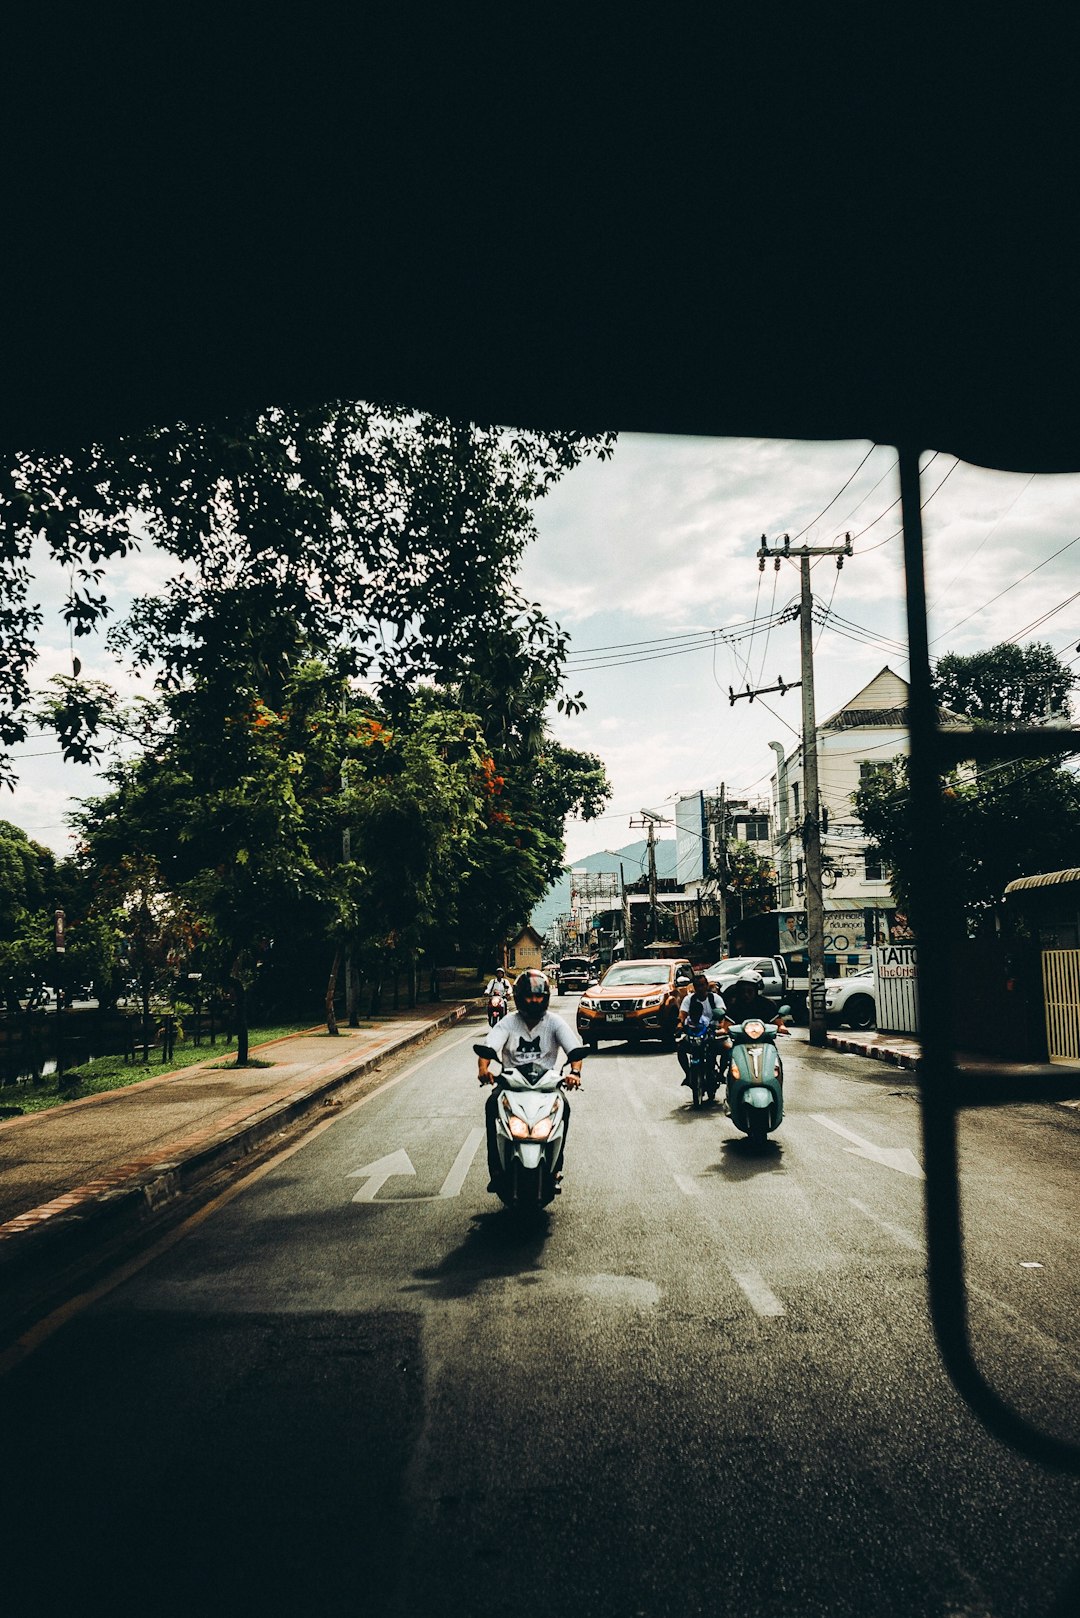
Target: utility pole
(722, 867)
(811, 829)
(649, 822)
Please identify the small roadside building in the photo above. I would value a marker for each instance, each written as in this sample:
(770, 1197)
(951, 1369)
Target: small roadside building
(1042, 915)
(524, 951)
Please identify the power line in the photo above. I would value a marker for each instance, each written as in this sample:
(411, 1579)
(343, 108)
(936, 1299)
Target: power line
(837, 495)
(744, 626)
(975, 612)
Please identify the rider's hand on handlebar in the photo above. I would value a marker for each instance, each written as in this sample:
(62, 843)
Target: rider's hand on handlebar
(572, 1079)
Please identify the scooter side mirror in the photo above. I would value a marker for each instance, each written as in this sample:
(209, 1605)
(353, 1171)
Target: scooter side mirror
(785, 1011)
(486, 1050)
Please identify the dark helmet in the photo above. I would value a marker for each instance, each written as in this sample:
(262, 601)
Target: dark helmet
(532, 995)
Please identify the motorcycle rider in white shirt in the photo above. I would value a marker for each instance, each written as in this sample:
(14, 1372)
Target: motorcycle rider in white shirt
(531, 1033)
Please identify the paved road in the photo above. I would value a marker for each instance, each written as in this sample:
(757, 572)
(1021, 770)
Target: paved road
(705, 1383)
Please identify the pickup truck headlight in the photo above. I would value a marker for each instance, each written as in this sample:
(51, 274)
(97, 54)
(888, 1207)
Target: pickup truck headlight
(586, 1003)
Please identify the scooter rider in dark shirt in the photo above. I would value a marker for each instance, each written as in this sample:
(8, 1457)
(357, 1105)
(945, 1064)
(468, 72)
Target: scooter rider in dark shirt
(744, 998)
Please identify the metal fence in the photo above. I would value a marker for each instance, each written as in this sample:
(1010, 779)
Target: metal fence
(1061, 998)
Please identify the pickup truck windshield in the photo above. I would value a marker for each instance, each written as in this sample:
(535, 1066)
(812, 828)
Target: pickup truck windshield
(635, 974)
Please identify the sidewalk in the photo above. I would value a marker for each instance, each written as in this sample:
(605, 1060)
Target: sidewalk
(904, 1050)
(91, 1171)
(901, 1050)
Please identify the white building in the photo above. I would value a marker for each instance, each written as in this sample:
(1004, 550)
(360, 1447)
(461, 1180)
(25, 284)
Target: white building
(863, 736)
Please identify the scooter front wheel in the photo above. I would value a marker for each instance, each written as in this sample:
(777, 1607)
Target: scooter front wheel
(757, 1125)
(529, 1187)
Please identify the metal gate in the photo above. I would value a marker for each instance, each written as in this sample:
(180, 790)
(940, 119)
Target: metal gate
(1061, 998)
(896, 987)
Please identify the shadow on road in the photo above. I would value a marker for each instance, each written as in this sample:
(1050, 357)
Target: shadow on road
(742, 1160)
(499, 1244)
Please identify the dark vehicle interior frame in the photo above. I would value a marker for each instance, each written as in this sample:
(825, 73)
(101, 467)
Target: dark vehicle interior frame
(651, 233)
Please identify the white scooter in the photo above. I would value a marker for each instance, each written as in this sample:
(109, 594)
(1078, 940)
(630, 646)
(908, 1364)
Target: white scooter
(530, 1122)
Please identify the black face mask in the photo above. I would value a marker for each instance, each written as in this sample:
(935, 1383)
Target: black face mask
(532, 1014)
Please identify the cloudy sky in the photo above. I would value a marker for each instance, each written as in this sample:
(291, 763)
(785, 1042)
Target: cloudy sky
(660, 543)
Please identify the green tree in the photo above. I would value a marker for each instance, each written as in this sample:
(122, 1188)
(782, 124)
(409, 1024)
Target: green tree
(383, 536)
(1012, 820)
(1006, 685)
(750, 882)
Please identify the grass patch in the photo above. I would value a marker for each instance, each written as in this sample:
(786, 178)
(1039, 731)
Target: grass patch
(113, 1073)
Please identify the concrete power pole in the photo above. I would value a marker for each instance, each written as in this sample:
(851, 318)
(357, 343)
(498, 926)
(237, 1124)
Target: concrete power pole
(811, 828)
(722, 866)
(649, 822)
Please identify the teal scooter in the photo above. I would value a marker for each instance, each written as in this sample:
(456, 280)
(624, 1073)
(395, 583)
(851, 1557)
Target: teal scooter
(755, 1081)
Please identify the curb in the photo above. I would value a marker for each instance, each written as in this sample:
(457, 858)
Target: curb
(880, 1053)
(89, 1220)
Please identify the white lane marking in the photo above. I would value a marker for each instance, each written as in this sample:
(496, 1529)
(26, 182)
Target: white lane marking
(376, 1174)
(462, 1164)
(686, 1185)
(897, 1232)
(890, 1157)
(761, 1300)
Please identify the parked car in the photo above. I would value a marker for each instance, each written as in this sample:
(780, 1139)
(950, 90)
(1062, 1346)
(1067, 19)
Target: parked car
(772, 969)
(573, 972)
(851, 1000)
(634, 1000)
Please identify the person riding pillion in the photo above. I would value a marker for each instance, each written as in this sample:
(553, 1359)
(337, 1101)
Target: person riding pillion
(531, 1033)
(703, 1010)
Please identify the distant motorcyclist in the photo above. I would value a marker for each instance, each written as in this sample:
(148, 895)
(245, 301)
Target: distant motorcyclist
(500, 984)
(531, 1033)
(701, 1011)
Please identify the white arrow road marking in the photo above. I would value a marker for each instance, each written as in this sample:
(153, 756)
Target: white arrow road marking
(377, 1174)
(891, 1157)
(462, 1163)
(762, 1301)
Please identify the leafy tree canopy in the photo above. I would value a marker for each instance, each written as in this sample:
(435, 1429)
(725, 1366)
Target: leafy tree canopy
(750, 880)
(1006, 685)
(1012, 820)
(385, 534)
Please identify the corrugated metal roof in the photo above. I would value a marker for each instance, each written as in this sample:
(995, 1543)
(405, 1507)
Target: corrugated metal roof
(1049, 879)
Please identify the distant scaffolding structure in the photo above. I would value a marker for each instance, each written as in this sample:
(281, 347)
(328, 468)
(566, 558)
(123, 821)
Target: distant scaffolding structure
(591, 894)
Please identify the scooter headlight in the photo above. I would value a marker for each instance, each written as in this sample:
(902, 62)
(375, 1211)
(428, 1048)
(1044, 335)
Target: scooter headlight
(754, 1028)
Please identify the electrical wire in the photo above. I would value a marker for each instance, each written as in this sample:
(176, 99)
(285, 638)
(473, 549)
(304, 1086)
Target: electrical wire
(745, 626)
(1031, 570)
(922, 506)
(837, 495)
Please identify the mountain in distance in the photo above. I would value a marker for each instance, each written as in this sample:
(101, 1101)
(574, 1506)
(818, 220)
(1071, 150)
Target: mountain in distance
(634, 859)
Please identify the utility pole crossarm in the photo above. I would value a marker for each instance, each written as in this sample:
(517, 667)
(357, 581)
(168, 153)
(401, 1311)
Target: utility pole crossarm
(783, 686)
